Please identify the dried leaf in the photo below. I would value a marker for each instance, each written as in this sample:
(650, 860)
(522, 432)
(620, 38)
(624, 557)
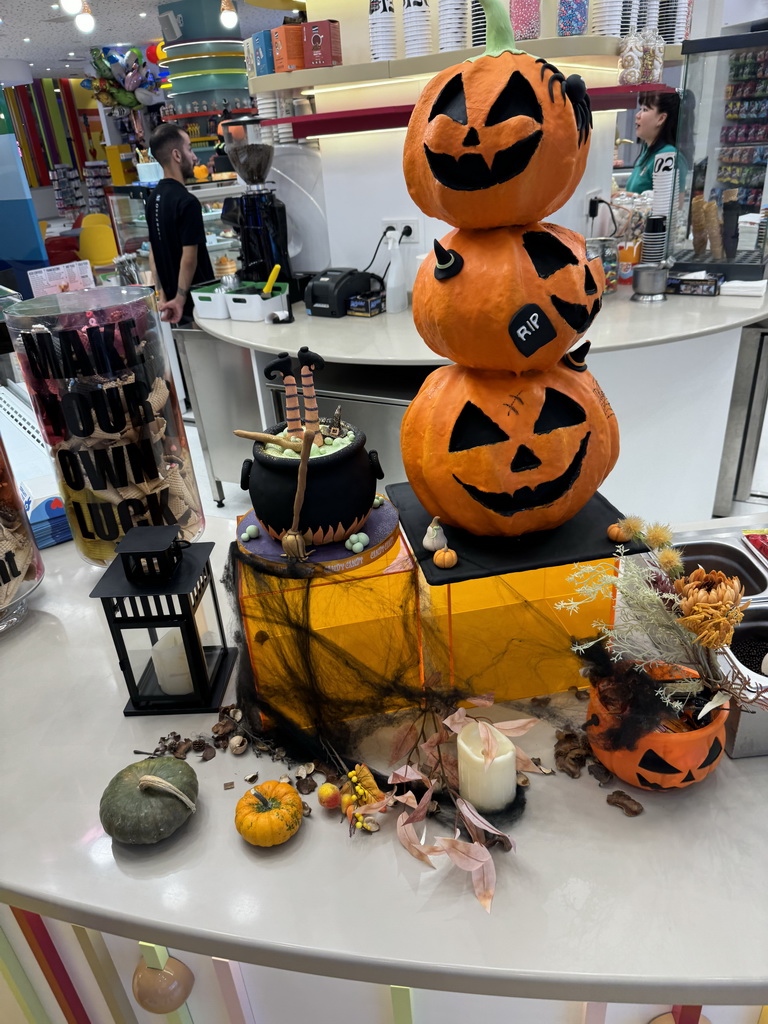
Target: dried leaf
(580, 692)
(403, 742)
(441, 736)
(306, 785)
(366, 780)
(410, 841)
(420, 811)
(409, 798)
(490, 746)
(527, 764)
(253, 777)
(571, 752)
(229, 785)
(182, 749)
(405, 774)
(623, 800)
(484, 882)
(457, 720)
(544, 770)
(600, 772)
(517, 727)
(470, 813)
(466, 856)
(451, 769)
(209, 752)
(483, 700)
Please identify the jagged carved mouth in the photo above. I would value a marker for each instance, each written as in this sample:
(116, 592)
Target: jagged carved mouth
(470, 172)
(525, 498)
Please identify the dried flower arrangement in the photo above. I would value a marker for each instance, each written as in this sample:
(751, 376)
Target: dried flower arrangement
(667, 654)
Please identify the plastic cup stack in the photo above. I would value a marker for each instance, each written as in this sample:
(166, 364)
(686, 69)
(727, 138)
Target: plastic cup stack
(572, 17)
(453, 24)
(654, 240)
(266, 104)
(417, 28)
(478, 24)
(381, 24)
(525, 16)
(606, 18)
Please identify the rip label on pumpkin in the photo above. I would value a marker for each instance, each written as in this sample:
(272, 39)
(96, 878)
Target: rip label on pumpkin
(530, 328)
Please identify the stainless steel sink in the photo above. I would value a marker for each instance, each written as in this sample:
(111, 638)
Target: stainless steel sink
(746, 730)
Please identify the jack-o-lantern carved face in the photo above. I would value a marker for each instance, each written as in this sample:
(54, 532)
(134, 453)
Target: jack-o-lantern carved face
(500, 454)
(659, 760)
(502, 139)
(517, 299)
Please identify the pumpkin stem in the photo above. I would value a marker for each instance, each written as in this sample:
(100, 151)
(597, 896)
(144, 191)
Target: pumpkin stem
(261, 798)
(499, 35)
(155, 782)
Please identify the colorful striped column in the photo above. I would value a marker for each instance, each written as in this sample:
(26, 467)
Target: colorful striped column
(40, 942)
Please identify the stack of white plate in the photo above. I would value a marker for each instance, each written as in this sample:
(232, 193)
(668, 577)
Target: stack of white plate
(525, 16)
(381, 25)
(675, 20)
(453, 24)
(478, 24)
(417, 28)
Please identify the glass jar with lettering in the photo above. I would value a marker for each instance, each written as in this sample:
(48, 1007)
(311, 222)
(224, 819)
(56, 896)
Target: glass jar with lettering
(95, 365)
(21, 568)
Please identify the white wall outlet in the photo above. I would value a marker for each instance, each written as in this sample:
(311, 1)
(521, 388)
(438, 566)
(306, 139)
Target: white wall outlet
(399, 223)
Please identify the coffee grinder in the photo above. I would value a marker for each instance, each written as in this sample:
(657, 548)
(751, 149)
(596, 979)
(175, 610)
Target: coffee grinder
(257, 215)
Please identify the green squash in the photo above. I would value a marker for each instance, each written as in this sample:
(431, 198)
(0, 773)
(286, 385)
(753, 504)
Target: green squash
(148, 800)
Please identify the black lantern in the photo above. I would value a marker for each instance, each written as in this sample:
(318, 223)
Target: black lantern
(163, 614)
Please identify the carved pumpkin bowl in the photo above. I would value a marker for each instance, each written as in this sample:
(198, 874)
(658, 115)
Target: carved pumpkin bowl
(660, 760)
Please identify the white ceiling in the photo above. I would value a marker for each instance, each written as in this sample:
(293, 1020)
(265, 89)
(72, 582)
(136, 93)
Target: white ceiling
(53, 35)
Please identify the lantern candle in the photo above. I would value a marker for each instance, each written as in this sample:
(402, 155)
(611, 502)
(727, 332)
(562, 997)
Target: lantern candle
(491, 787)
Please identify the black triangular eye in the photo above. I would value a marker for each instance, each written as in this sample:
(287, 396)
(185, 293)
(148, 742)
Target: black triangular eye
(547, 253)
(474, 429)
(516, 99)
(590, 284)
(451, 101)
(575, 315)
(524, 459)
(557, 412)
(653, 762)
(714, 752)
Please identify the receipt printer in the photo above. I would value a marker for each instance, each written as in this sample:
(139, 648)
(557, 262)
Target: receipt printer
(327, 293)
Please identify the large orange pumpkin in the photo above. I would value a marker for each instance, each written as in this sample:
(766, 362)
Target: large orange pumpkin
(500, 454)
(500, 139)
(660, 760)
(517, 299)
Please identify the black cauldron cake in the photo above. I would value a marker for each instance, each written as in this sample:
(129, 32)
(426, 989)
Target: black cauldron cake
(311, 480)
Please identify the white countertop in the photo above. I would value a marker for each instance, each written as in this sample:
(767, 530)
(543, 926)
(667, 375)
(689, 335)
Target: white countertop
(392, 337)
(670, 907)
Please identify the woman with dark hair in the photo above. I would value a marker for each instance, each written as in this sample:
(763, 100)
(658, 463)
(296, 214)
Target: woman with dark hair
(660, 162)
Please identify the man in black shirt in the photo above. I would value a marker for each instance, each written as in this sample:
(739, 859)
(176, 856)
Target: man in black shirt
(178, 256)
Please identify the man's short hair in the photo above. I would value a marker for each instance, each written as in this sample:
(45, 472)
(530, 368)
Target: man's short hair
(163, 140)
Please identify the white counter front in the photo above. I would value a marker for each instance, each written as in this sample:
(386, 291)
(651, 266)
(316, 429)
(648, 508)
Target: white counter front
(669, 907)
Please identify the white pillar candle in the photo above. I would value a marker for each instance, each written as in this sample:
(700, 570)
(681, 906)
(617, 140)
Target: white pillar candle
(171, 666)
(491, 788)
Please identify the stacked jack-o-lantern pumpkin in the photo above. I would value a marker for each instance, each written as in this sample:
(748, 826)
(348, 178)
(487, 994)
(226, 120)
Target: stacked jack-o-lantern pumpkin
(517, 435)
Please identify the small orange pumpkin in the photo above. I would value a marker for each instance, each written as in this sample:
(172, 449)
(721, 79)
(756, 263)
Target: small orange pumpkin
(500, 139)
(269, 814)
(445, 558)
(548, 296)
(500, 455)
(660, 760)
(617, 534)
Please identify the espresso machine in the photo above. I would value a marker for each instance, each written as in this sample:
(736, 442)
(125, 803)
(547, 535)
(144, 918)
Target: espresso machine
(257, 215)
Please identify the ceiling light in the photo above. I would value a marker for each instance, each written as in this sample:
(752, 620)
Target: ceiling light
(57, 90)
(54, 7)
(84, 21)
(66, 65)
(26, 39)
(71, 54)
(143, 14)
(228, 15)
(72, 6)
(47, 69)
(31, 64)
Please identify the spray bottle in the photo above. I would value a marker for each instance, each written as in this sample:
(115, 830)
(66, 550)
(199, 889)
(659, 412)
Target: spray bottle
(397, 298)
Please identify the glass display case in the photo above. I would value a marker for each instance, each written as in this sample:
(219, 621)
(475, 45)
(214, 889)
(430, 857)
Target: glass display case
(126, 208)
(718, 215)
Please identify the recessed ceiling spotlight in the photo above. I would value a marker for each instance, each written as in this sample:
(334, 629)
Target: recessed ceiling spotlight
(71, 54)
(72, 6)
(31, 64)
(54, 7)
(84, 21)
(66, 65)
(142, 14)
(26, 39)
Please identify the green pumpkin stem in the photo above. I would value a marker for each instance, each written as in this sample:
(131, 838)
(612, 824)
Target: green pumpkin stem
(155, 782)
(499, 35)
(266, 805)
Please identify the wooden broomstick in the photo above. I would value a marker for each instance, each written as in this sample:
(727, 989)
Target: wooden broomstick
(294, 548)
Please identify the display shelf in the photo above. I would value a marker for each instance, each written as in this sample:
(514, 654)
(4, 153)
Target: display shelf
(595, 51)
